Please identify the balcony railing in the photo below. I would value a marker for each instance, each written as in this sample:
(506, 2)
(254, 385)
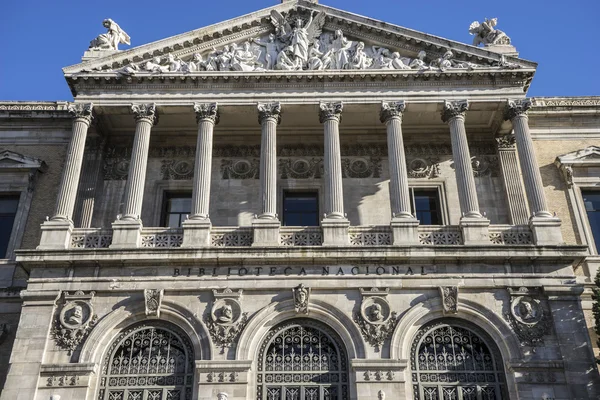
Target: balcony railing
(299, 236)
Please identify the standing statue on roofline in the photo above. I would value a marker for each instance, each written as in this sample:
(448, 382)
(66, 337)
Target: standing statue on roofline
(111, 39)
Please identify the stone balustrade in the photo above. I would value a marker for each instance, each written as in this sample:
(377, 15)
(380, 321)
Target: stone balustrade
(301, 236)
(162, 237)
(91, 238)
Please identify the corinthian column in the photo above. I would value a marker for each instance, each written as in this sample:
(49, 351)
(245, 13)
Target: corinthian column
(404, 225)
(475, 227)
(128, 229)
(335, 225)
(266, 225)
(196, 230)
(545, 227)
(56, 233)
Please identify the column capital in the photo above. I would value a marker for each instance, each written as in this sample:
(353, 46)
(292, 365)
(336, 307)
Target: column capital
(391, 109)
(82, 111)
(506, 142)
(329, 111)
(269, 110)
(454, 109)
(145, 112)
(515, 108)
(207, 111)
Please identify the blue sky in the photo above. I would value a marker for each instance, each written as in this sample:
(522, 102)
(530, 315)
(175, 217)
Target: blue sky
(39, 37)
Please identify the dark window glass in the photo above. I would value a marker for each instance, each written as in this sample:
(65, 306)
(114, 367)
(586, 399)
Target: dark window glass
(8, 210)
(300, 209)
(177, 207)
(591, 199)
(426, 206)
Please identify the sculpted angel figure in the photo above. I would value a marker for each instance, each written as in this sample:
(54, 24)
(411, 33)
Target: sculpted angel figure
(272, 49)
(301, 36)
(486, 33)
(111, 39)
(360, 59)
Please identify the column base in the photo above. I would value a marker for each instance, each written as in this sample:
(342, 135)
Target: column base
(475, 231)
(127, 234)
(56, 235)
(546, 231)
(405, 231)
(196, 232)
(266, 232)
(335, 232)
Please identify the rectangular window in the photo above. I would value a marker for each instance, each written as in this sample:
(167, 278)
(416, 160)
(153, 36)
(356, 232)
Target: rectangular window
(591, 199)
(177, 207)
(300, 209)
(8, 211)
(425, 204)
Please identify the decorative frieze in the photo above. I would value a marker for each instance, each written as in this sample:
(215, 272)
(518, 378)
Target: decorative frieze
(240, 169)
(75, 319)
(427, 167)
(375, 319)
(361, 167)
(177, 169)
(222, 377)
(528, 316)
(226, 319)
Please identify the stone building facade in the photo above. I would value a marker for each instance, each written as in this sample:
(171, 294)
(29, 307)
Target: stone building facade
(300, 204)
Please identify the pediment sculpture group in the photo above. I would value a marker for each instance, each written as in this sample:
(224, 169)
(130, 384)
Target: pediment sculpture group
(299, 45)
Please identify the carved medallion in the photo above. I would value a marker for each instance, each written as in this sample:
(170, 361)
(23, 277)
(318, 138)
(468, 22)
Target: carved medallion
(301, 297)
(240, 169)
(375, 319)
(449, 296)
(153, 300)
(528, 318)
(177, 169)
(423, 167)
(226, 319)
(75, 320)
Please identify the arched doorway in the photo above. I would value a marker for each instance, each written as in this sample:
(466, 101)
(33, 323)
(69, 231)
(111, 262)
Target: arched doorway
(302, 360)
(454, 360)
(152, 360)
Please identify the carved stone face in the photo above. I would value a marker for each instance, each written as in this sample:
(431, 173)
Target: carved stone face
(301, 296)
(375, 313)
(75, 316)
(527, 310)
(226, 314)
(299, 23)
(381, 395)
(422, 55)
(222, 396)
(271, 38)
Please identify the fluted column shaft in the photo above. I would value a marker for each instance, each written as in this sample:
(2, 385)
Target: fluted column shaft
(330, 116)
(515, 195)
(391, 115)
(454, 115)
(269, 116)
(67, 191)
(145, 118)
(516, 112)
(207, 116)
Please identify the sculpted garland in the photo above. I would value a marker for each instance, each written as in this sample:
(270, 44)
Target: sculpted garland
(300, 46)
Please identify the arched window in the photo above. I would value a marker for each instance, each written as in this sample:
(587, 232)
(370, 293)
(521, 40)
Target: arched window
(456, 361)
(302, 360)
(148, 361)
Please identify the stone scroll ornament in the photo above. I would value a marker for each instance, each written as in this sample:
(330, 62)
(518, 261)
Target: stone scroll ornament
(528, 318)
(449, 296)
(226, 320)
(152, 301)
(75, 320)
(301, 298)
(375, 318)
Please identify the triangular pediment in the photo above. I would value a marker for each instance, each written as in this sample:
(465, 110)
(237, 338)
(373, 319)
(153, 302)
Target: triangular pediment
(9, 160)
(588, 156)
(347, 42)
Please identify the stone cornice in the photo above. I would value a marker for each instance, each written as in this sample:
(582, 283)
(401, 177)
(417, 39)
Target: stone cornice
(544, 102)
(37, 107)
(252, 24)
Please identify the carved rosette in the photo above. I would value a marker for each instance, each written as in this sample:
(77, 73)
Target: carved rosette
(81, 112)
(528, 317)
(269, 111)
(329, 111)
(375, 319)
(391, 109)
(226, 320)
(515, 108)
(454, 109)
(449, 295)
(152, 301)
(75, 320)
(145, 112)
(207, 112)
(301, 298)
(506, 142)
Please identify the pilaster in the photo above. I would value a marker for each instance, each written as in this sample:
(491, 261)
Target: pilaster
(515, 196)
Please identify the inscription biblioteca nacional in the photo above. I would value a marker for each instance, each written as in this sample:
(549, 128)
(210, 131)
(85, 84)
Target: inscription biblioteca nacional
(300, 271)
